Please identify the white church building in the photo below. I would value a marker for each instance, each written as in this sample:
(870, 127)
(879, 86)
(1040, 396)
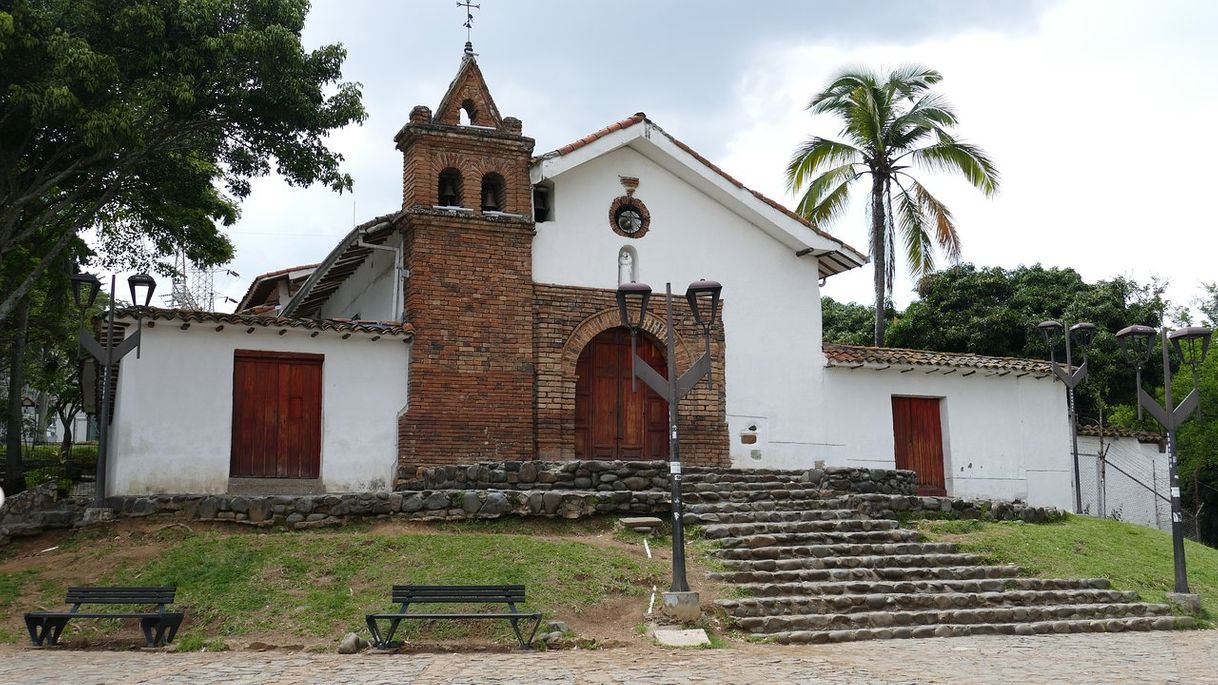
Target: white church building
(477, 322)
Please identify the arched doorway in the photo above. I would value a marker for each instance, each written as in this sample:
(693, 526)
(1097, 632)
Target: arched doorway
(611, 420)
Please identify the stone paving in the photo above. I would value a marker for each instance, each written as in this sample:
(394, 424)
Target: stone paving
(1181, 657)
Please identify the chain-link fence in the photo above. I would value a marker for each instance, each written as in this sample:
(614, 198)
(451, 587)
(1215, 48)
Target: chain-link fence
(1126, 479)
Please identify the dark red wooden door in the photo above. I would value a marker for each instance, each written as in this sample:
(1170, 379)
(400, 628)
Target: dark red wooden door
(918, 432)
(276, 415)
(612, 421)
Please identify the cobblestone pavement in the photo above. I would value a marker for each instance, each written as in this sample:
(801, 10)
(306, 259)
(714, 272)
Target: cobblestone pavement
(1156, 657)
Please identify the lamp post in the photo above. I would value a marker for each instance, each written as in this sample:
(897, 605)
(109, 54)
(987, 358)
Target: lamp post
(703, 299)
(1191, 345)
(107, 353)
(1082, 333)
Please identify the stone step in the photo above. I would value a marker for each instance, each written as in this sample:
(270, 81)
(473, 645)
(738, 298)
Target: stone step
(755, 486)
(839, 550)
(708, 518)
(870, 561)
(737, 495)
(769, 505)
(988, 615)
(911, 601)
(1111, 625)
(729, 471)
(890, 574)
(819, 538)
(737, 478)
(927, 586)
(735, 530)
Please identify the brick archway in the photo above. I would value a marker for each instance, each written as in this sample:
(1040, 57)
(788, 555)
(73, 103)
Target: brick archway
(602, 321)
(556, 409)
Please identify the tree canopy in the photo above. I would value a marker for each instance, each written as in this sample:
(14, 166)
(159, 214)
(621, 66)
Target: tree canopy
(145, 120)
(891, 123)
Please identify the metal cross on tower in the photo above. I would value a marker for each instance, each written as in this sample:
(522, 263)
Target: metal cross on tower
(469, 24)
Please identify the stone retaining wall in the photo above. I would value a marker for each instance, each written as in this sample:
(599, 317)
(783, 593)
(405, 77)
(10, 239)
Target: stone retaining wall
(916, 507)
(636, 476)
(865, 481)
(38, 509)
(601, 476)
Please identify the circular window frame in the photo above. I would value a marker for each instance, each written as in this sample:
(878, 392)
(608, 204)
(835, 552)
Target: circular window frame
(627, 202)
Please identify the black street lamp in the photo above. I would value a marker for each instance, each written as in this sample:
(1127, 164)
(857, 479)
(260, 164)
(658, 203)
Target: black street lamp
(107, 353)
(1082, 334)
(703, 299)
(1191, 346)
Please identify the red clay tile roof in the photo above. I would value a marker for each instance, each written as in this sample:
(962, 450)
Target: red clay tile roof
(381, 328)
(629, 121)
(640, 117)
(1121, 432)
(245, 306)
(855, 356)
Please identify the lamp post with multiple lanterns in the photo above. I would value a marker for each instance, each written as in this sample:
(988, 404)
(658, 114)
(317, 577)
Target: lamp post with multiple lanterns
(1082, 334)
(1191, 345)
(108, 351)
(703, 299)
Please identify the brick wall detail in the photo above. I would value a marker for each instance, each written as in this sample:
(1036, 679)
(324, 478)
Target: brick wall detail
(567, 318)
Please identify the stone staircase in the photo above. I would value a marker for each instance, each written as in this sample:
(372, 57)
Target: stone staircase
(815, 570)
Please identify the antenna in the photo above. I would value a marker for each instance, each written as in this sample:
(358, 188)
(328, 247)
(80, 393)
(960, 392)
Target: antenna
(469, 24)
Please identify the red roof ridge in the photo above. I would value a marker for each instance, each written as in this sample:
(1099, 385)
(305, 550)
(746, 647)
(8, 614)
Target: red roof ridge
(838, 353)
(640, 117)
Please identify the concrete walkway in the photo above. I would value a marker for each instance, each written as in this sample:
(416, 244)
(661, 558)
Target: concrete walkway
(1184, 657)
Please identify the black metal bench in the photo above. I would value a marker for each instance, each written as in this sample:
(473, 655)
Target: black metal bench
(405, 595)
(159, 626)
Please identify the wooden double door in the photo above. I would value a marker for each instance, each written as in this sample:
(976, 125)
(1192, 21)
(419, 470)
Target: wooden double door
(917, 428)
(612, 420)
(276, 415)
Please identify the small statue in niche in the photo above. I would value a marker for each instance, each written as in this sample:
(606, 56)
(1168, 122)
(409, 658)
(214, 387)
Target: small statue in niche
(625, 267)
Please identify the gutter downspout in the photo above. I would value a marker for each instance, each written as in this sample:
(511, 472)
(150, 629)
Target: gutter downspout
(399, 272)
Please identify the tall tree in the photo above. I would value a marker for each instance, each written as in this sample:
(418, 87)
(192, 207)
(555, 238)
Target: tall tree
(891, 124)
(1208, 302)
(145, 120)
(994, 311)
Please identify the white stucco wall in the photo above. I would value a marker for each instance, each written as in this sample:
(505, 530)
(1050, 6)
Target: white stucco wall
(1123, 494)
(772, 298)
(172, 427)
(370, 291)
(1003, 436)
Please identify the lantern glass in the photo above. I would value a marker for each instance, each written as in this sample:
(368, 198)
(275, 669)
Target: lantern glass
(1049, 331)
(632, 299)
(1192, 343)
(703, 298)
(1136, 343)
(142, 286)
(1082, 334)
(84, 290)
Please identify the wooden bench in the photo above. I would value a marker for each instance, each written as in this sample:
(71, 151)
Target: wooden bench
(159, 626)
(405, 595)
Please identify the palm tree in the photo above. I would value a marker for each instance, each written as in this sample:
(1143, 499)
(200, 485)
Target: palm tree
(892, 124)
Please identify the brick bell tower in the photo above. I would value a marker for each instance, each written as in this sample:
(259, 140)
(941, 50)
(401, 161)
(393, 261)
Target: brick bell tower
(467, 228)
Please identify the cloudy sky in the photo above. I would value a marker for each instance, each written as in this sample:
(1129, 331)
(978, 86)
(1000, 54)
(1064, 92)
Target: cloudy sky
(1097, 112)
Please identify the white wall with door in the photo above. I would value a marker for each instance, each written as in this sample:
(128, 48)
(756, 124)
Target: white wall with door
(173, 420)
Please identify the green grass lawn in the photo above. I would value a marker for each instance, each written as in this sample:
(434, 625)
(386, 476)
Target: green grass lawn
(318, 585)
(1133, 557)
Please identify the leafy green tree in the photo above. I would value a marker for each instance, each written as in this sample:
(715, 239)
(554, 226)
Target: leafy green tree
(892, 123)
(849, 323)
(145, 120)
(994, 311)
(1208, 303)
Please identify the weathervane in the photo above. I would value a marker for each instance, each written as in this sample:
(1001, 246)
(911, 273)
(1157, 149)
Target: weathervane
(469, 24)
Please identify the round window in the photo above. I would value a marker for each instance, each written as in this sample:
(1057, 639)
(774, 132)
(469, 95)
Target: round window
(629, 217)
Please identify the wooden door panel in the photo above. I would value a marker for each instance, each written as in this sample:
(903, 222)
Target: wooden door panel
(612, 419)
(918, 441)
(276, 415)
